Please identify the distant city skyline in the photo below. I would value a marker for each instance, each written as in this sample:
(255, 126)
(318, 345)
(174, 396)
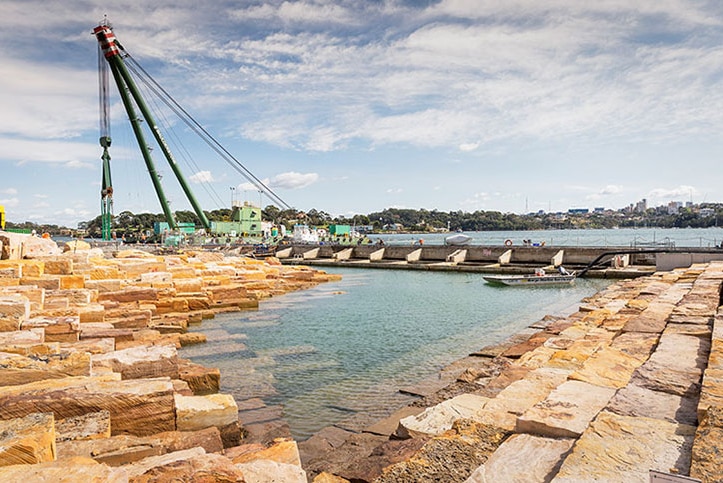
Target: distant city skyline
(354, 107)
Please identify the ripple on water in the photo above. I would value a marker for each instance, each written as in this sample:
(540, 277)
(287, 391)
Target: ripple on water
(342, 359)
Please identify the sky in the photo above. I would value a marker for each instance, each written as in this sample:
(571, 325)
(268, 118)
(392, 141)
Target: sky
(351, 107)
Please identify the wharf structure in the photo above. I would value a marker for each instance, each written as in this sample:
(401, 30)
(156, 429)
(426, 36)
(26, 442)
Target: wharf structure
(608, 262)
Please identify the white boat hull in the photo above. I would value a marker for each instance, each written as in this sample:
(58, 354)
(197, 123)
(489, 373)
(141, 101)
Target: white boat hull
(458, 240)
(530, 280)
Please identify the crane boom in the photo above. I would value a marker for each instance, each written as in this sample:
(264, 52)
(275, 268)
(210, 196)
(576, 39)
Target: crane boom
(111, 49)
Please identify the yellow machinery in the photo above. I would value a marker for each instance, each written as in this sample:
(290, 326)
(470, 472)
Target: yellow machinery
(2, 217)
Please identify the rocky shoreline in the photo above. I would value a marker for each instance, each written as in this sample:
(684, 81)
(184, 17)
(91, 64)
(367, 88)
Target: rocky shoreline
(92, 386)
(629, 383)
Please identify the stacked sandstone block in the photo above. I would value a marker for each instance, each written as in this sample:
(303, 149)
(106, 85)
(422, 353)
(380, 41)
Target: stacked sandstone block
(91, 385)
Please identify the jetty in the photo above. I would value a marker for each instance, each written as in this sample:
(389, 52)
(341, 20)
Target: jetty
(627, 386)
(601, 262)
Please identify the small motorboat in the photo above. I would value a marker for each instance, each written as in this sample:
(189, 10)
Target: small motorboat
(458, 239)
(539, 278)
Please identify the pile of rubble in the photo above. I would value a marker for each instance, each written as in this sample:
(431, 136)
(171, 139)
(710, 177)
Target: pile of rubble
(91, 385)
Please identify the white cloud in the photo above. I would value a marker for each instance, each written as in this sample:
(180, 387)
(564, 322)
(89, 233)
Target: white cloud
(9, 191)
(201, 177)
(680, 193)
(11, 202)
(293, 180)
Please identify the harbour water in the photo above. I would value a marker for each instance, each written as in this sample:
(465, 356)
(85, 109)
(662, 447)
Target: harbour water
(343, 349)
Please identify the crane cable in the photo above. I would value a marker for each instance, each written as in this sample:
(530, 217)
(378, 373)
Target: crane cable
(172, 104)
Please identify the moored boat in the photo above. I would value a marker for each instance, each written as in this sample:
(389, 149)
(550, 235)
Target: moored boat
(458, 239)
(539, 278)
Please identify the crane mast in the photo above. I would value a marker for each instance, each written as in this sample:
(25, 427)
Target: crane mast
(106, 191)
(130, 94)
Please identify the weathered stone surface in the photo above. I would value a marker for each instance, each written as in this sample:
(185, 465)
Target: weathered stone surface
(89, 426)
(523, 458)
(707, 463)
(636, 401)
(651, 320)
(201, 380)
(281, 451)
(711, 393)
(450, 457)
(519, 396)
(636, 344)
(141, 362)
(199, 412)
(27, 440)
(124, 449)
(621, 448)
(439, 418)
(18, 369)
(607, 367)
(67, 471)
(139, 407)
(264, 471)
(566, 412)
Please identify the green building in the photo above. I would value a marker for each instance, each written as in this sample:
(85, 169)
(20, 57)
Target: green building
(245, 221)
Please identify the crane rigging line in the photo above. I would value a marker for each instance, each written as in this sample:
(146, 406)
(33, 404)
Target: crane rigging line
(173, 138)
(214, 144)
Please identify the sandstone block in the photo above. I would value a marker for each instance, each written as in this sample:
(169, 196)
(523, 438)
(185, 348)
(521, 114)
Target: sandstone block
(439, 418)
(67, 471)
(58, 266)
(264, 471)
(104, 285)
(201, 380)
(130, 295)
(14, 306)
(125, 449)
(16, 369)
(28, 440)
(566, 412)
(607, 367)
(141, 362)
(199, 412)
(636, 401)
(521, 458)
(139, 407)
(706, 463)
(89, 426)
(49, 282)
(621, 448)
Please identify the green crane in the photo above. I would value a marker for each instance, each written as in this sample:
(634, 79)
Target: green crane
(111, 50)
(106, 190)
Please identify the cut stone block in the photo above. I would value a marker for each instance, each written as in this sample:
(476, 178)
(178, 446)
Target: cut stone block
(636, 401)
(141, 362)
(439, 418)
(89, 426)
(622, 448)
(523, 458)
(66, 471)
(28, 440)
(607, 367)
(566, 412)
(199, 412)
(17, 369)
(139, 407)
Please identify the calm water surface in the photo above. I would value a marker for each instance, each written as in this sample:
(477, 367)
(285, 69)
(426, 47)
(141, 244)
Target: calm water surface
(343, 349)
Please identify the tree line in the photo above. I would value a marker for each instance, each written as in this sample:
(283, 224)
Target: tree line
(420, 220)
